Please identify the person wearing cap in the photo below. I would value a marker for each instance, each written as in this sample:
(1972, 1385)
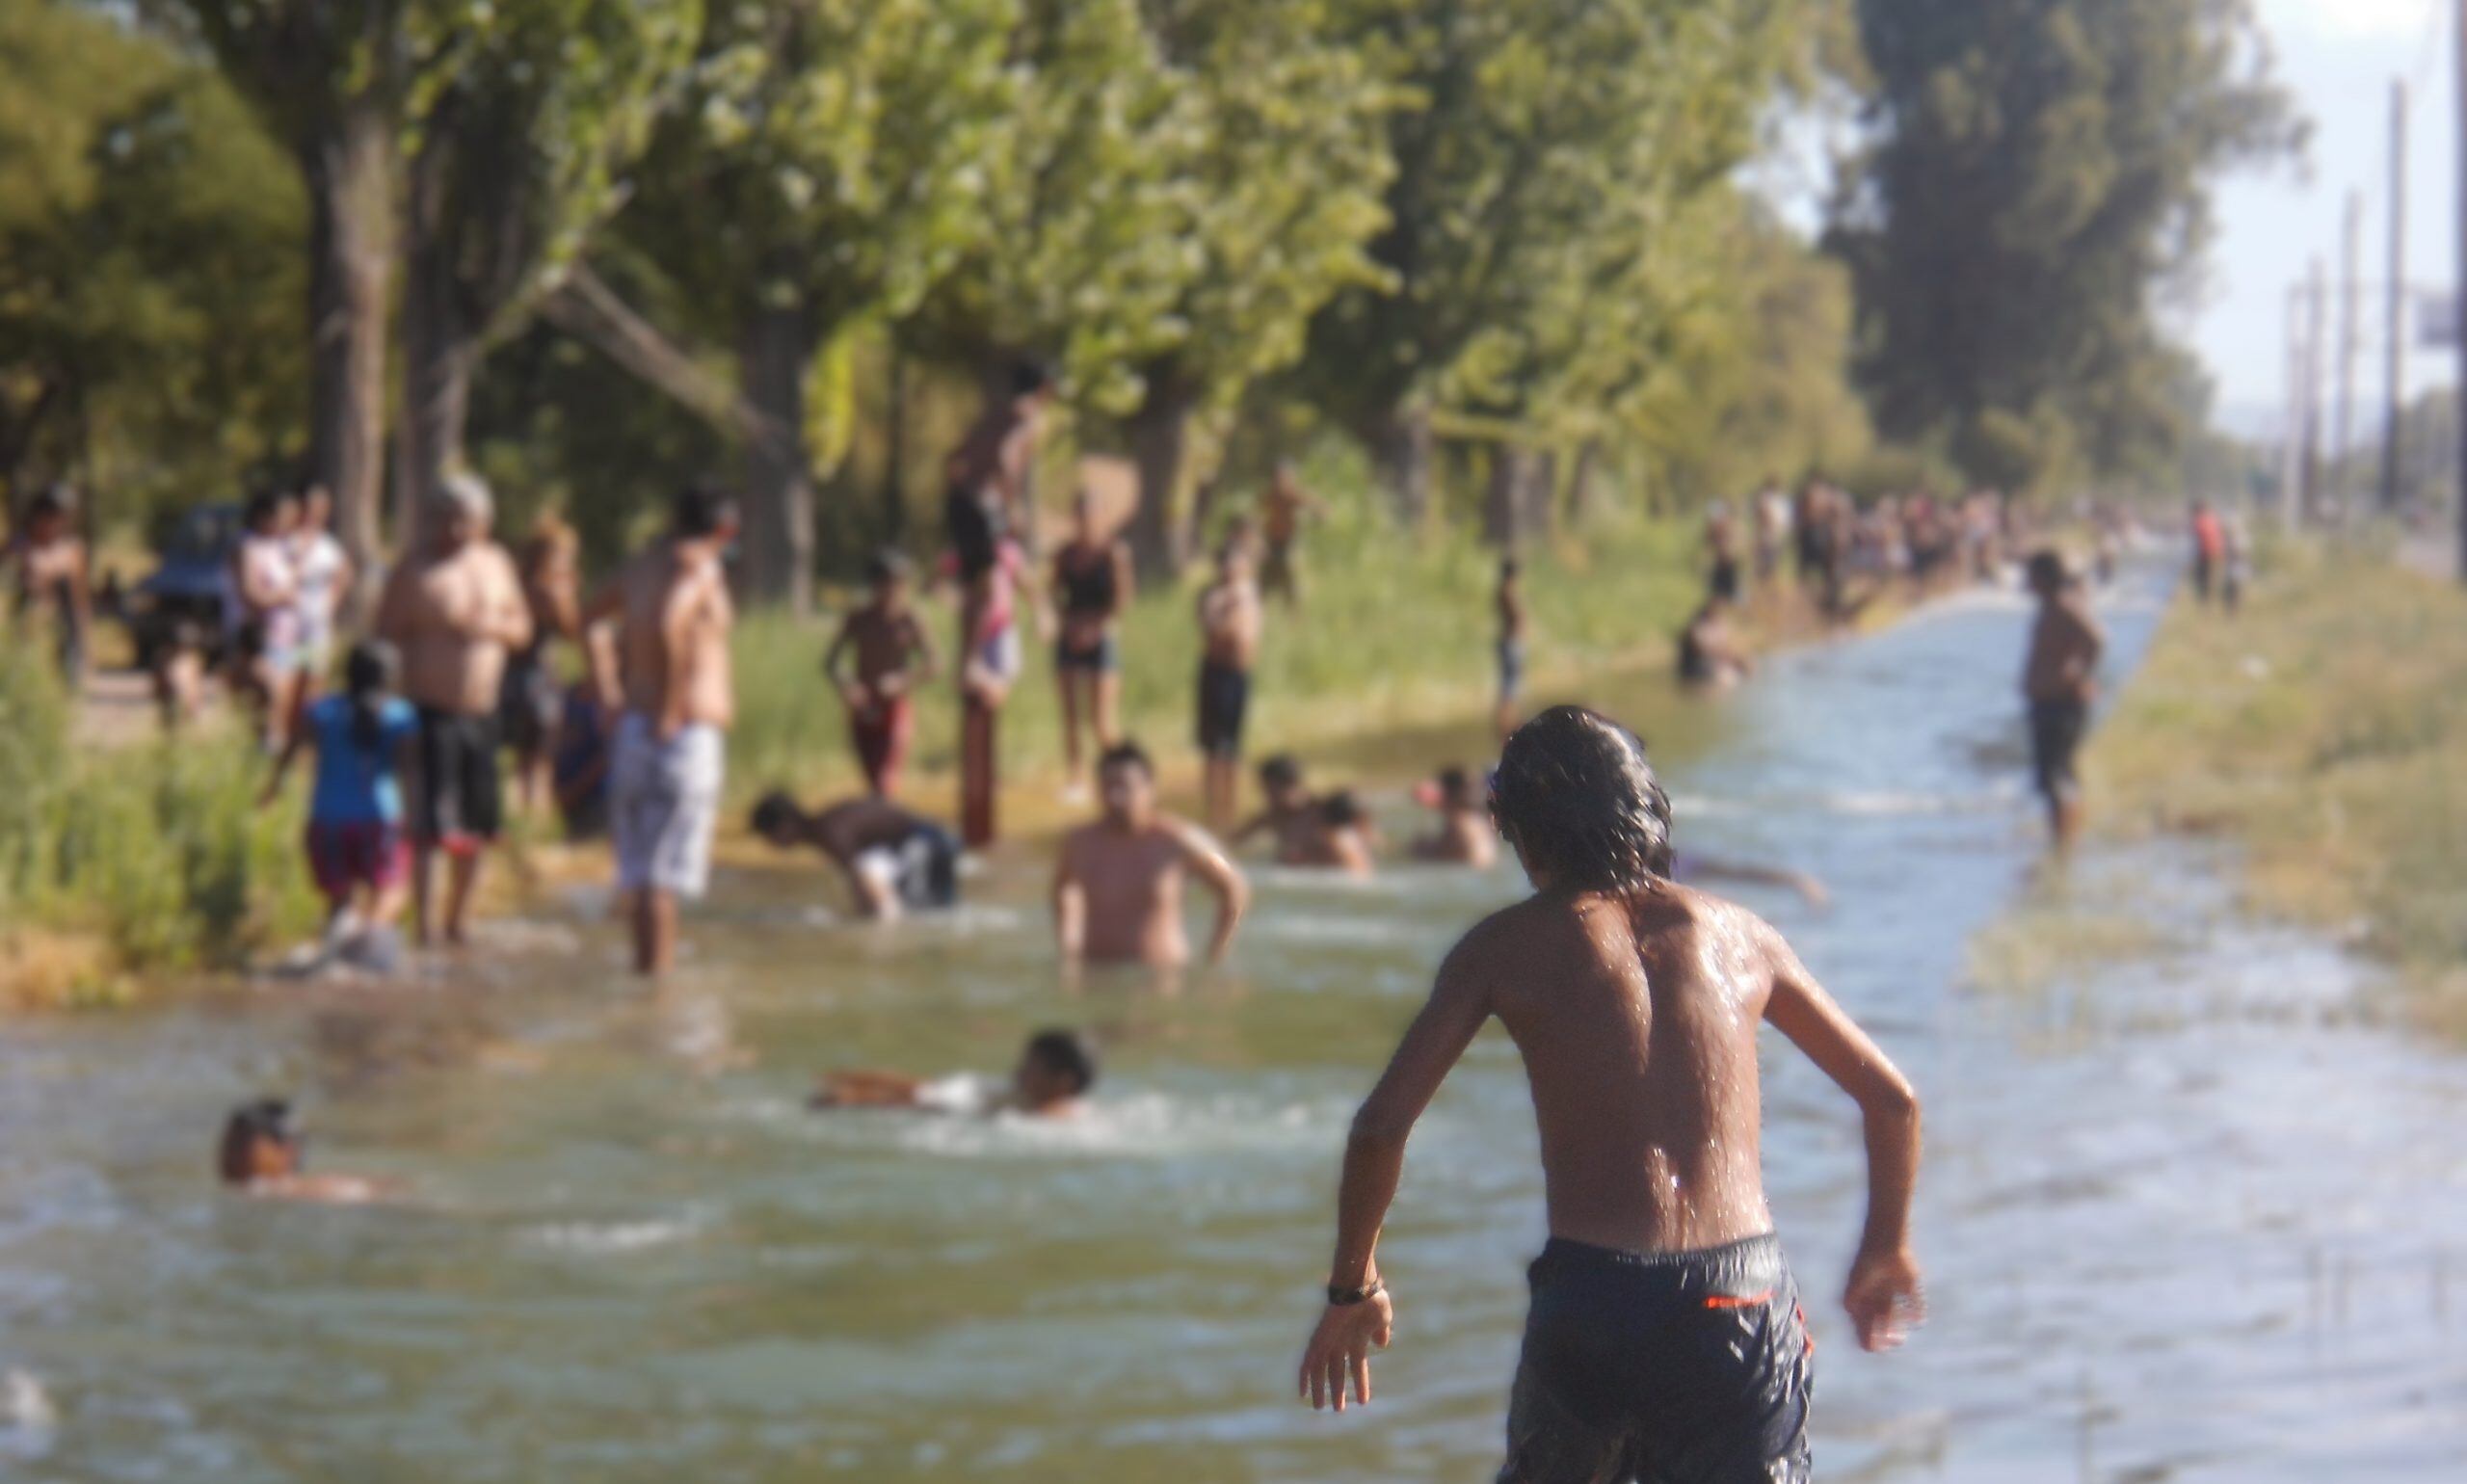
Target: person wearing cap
(454, 609)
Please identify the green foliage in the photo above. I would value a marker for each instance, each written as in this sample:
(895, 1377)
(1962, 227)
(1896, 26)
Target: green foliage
(160, 851)
(150, 268)
(2038, 179)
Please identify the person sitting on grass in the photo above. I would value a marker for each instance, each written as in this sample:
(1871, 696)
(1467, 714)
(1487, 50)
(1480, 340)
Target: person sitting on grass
(1463, 835)
(1289, 811)
(366, 741)
(1055, 1070)
(896, 860)
(260, 1155)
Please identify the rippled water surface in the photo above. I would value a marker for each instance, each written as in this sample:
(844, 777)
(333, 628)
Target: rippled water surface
(2189, 1220)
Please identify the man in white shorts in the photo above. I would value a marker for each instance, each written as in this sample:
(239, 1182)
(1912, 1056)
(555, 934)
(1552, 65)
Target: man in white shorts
(672, 615)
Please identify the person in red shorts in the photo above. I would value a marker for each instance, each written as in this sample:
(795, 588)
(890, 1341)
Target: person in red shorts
(366, 739)
(894, 656)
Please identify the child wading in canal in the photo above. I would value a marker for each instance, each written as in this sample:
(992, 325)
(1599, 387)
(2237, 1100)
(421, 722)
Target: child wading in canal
(366, 741)
(1665, 1340)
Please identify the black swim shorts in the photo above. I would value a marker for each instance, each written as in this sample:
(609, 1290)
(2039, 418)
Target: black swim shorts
(1224, 704)
(2056, 731)
(459, 799)
(1686, 1367)
(1102, 657)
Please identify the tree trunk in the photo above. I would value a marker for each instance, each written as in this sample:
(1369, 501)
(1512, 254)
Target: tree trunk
(1504, 498)
(349, 170)
(1160, 440)
(1540, 517)
(440, 353)
(780, 344)
(895, 450)
(1401, 447)
(1581, 490)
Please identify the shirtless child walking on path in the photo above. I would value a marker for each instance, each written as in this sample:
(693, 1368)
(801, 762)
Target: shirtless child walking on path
(1666, 1339)
(673, 616)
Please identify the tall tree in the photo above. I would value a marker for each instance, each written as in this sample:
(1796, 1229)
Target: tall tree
(521, 117)
(2039, 178)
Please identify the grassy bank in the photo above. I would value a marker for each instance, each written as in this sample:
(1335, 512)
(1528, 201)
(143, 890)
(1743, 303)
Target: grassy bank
(2323, 730)
(1390, 631)
(119, 866)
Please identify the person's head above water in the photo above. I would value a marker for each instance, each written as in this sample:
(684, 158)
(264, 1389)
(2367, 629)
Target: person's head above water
(1455, 788)
(258, 1143)
(1127, 784)
(778, 819)
(1341, 810)
(1280, 779)
(1055, 1068)
(1579, 802)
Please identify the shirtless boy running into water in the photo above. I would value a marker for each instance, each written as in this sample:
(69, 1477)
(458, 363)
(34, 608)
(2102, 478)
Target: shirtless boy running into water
(1666, 1339)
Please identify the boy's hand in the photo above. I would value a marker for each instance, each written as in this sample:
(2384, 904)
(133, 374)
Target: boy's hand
(1341, 1347)
(1884, 1297)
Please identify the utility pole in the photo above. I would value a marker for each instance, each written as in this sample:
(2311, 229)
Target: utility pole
(2291, 428)
(2317, 314)
(2342, 427)
(2394, 317)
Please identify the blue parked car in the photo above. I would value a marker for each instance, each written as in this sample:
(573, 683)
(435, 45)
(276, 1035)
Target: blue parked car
(193, 549)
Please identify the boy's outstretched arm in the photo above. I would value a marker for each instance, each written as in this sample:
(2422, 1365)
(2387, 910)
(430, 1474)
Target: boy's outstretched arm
(1884, 1295)
(1374, 1162)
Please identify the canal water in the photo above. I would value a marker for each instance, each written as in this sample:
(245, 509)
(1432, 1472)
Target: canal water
(2185, 1216)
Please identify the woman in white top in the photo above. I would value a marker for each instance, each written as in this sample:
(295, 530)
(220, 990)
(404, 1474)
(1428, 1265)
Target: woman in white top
(321, 573)
(258, 610)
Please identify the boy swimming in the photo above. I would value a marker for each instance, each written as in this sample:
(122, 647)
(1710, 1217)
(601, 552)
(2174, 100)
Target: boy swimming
(1666, 1339)
(1055, 1070)
(1462, 835)
(260, 1155)
(1289, 812)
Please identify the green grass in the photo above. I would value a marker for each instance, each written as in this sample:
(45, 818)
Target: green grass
(1393, 629)
(2324, 729)
(121, 862)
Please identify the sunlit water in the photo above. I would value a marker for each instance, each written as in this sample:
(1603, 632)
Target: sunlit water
(2189, 1221)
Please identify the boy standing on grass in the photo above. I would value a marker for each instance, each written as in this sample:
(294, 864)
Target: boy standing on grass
(1229, 626)
(894, 655)
(2060, 680)
(1666, 1339)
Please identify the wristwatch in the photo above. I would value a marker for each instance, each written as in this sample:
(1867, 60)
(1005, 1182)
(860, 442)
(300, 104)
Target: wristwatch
(1346, 1298)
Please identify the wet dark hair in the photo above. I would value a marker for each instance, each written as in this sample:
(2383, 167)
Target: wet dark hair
(1578, 799)
(1127, 755)
(700, 510)
(1029, 376)
(1282, 771)
(1455, 784)
(775, 811)
(251, 1124)
(889, 565)
(1341, 810)
(1069, 1053)
(2046, 570)
(368, 679)
(53, 499)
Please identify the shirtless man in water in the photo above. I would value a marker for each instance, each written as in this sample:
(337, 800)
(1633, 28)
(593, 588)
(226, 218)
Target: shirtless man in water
(453, 612)
(1666, 1339)
(2060, 680)
(1118, 887)
(671, 609)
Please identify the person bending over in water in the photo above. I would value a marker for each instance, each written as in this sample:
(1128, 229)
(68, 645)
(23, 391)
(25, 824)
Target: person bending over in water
(1055, 1070)
(2060, 680)
(260, 1156)
(1118, 887)
(1666, 1339)
(1711, 651)
(1337, 838)
(1289, 812)
(897, 862)
(1463, 835)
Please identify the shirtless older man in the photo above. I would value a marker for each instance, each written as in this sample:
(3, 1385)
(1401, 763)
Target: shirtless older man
(453, 611)
(1118, 887)
(1666, 1339)
(672, 614)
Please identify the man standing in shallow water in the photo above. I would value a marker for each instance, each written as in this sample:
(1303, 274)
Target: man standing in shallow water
(1666, 1339)
(1118, 886)
(673, 616)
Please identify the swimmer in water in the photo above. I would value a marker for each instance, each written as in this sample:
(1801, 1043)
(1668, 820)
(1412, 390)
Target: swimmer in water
(1666, 1339)
(260, 1155)
(1463, 835)
(1340, 838)
(1291, 813)
(1118, 886)
(896, 861)
(1712, 654)
(1055, 1070)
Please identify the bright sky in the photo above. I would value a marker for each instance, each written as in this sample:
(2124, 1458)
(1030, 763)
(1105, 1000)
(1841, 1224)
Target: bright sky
(2337, 57)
